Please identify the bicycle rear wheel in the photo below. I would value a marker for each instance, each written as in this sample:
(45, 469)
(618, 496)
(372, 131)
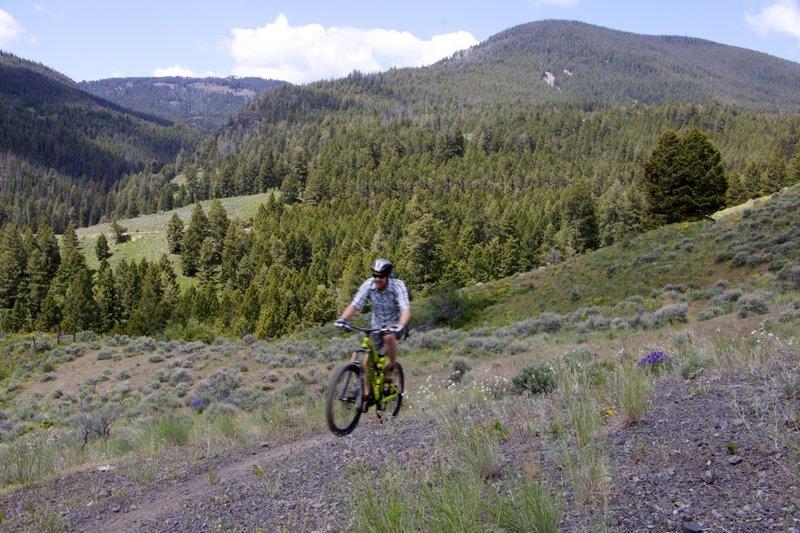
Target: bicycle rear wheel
(343, 399)
(393, 406)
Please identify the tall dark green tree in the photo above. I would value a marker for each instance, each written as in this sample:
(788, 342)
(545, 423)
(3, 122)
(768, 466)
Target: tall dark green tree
(579, 228)
(105, 294)
(101, 248)
(174, 234)
(193, 241)
(775, 171)
(79, 305)
(684, 178)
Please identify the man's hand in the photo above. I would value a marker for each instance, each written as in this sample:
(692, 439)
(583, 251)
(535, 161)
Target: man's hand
(340, 323)
(397, 329)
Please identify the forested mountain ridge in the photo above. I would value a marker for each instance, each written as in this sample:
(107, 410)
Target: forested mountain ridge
(466, 171)
(204, 103)
(591, 64)
(551, 62)
(63, 149)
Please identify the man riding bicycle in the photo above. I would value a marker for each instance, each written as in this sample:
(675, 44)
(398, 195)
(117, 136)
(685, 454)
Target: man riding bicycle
(391, 309)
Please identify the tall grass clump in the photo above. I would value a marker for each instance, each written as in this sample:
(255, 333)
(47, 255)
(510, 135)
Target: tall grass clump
(634, 390)
(583, 455)
(528, 506)
(35, 457)
(388, 506)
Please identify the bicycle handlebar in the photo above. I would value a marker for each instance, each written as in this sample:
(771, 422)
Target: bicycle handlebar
(349, 327)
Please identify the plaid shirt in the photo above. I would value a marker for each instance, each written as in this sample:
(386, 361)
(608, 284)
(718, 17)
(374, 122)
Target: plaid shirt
(386, 305)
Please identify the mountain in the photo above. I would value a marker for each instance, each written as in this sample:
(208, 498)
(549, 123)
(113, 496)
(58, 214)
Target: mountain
(63, 148)
(578, 62)
(204, 103)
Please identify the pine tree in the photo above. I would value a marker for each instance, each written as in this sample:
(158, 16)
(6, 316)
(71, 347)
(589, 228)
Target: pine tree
(208, 262)
(793, 174)
(150, 315)
(320, 309)
(775, 172)
(120, 233)
(12, 265)
(218, 223)
(105, 293)
(79, 305)
(684, 178)
(579, 228)
(174, 234)
(193, 241)
(101, 248)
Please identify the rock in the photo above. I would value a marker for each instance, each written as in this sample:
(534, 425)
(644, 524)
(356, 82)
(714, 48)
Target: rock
(691, 527)
(734, 460)
(708, 476)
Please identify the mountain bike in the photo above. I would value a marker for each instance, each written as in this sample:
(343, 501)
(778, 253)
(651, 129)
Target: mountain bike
(345, 398)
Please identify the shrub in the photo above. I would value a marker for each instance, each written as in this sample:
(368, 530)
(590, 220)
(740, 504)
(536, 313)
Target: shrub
(789, 277)
(692, 365)
(754, 304)
(672, 313)
(536, 377)
(460, 369)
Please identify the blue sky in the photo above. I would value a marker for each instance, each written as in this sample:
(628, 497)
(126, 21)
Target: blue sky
(305, 40)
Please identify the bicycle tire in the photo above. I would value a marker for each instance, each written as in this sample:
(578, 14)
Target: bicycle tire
(392, 407)
(343, 399)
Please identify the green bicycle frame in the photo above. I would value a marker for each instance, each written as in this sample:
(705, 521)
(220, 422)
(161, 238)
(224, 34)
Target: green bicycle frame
(375, 367)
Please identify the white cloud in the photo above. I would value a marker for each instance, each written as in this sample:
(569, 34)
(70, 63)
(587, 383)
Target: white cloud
(180, 71)
(9, 28)
(782, 17)
(307, 53)
(174, 70)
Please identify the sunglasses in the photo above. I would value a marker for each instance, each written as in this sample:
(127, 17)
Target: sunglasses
(379, 276)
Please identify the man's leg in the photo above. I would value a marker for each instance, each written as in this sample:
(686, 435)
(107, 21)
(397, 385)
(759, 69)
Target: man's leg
(391, 344)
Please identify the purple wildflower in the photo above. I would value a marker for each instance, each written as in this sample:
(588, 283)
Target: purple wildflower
(655, 360)
(198, 405)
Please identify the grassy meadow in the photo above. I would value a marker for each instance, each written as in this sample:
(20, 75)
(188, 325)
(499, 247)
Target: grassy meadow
(561, 351)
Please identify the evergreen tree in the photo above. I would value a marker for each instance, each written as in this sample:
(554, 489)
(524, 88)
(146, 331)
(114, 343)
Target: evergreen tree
(174, 234)
(684, 178)
(218, 223)
(38, 281)
(150, 315)
(105, 294)
(120, 233)
(79, 305)
(775, 172)
(47, 243)
(193, 241)
(579, 228)
(321, 308)
(793, 174)
(101, 248)
(208, 262)
(753, 181)
(12, 265)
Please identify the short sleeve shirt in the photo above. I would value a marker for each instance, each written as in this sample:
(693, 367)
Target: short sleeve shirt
(386, 305)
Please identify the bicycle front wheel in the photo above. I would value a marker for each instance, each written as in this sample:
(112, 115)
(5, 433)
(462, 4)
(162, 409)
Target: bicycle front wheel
(343, 399)
(392, 406)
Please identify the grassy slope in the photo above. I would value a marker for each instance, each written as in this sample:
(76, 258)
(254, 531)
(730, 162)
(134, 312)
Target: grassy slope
(280, 382)
(148, 232)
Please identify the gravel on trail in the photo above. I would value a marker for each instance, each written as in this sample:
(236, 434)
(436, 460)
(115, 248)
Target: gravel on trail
(705, 457)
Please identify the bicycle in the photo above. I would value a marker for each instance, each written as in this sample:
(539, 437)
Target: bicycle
(345, 396)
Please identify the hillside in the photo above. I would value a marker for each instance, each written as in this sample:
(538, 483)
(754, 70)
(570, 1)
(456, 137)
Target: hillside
(230, 434)
(62, 149)
(203, 103)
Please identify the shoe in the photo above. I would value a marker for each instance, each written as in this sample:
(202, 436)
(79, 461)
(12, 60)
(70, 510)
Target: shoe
(365, 404)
